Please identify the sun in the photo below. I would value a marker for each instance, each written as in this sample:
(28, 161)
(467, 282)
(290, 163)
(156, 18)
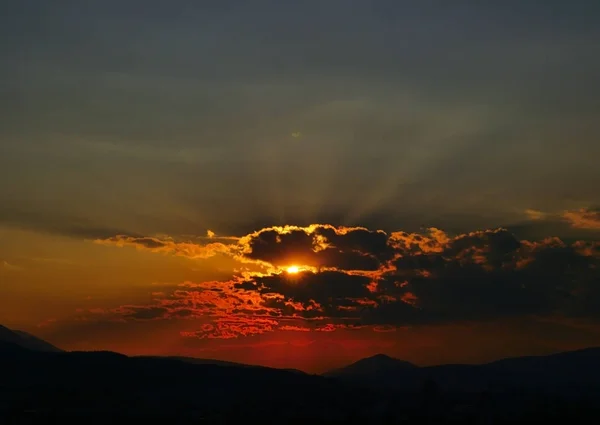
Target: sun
(293, 269)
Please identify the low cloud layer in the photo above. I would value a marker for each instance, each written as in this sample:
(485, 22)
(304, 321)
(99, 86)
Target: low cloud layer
(356, 277)
(583, 218)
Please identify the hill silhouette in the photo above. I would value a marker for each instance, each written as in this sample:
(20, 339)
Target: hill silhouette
(25, 340)
(100, 385)
(196, 360)
(373, 367)
(562, 373)
(42, 386)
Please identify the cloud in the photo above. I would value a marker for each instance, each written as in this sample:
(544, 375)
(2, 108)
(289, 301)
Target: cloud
(318, 246)
(535, 214)
(274, 248)
(169, 246)
(583, 218)
(233, 327)
(352, 277)
(294, 328)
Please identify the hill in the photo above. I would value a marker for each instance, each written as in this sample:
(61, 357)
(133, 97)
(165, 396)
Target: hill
(374, 367)
(561, 373)
(97, 386)
(196, 360)
(103, 387)
(25, 340)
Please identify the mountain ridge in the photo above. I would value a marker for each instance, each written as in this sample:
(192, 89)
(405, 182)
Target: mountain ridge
(371, 365)
(95, 386)
(375, 366)
(576, 368)
(26, 340)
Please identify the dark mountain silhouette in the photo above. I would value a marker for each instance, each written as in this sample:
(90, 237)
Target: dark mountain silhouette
(104, 387)
(25, 340)
(97, 386)
(196, 360)
(568, 372)
(373, 367)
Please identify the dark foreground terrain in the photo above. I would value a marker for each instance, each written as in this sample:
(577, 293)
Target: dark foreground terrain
(38, 387)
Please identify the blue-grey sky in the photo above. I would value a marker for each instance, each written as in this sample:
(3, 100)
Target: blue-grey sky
(178, 116)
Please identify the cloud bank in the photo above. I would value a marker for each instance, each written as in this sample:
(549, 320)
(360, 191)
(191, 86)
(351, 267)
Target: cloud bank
(354, 277)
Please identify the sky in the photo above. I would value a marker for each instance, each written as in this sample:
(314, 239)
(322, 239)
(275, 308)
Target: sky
(301, 184)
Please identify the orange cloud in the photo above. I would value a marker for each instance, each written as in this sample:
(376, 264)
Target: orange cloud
(434, 241)
(583, 218)
(535, 214)
(233, 327)
(327, 328)
(169, 246)
(294, 328)
(410, 298)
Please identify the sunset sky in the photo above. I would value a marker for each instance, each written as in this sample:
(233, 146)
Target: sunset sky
(301, 183)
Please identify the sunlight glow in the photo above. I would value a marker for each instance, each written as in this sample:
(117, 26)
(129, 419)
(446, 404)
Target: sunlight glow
(293, 269)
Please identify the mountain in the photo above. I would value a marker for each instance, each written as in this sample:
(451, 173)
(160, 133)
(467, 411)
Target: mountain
(568, 372)
(374, 367)
(25, 340)
(580, 367)
(196, 360)
(96, 387)
(585, 359)
(104, 387)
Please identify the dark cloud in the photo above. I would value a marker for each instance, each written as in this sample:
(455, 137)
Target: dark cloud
(486, 275)
(150, 243)
(346, 248)
(274, 247)
(326, 291)
(414, 279)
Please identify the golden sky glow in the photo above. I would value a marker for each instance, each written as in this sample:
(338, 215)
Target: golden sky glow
(301, 184)
(225, 296)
